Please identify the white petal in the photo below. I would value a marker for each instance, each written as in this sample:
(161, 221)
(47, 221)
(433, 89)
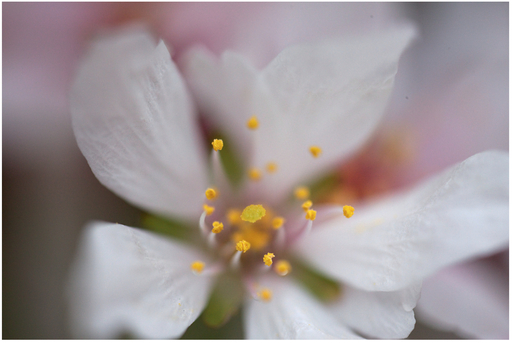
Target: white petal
(134, 123)
(378, 314)
(470, 299)
(291, 314)
(129, 280)
(459, 214)
(329, 94)
(224, 90)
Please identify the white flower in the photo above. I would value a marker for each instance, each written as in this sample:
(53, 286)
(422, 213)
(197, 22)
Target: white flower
(136, 125)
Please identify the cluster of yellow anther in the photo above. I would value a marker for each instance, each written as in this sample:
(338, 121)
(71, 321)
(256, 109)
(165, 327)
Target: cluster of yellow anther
(348, 211)
(243, 246)
(197, 267)
(283, 267)
(217, 227)
(217, 144)
(315, 150)
(310, 214)
(277, 222)
(271, 167)
(210, 194)
(208, 209)
(301, 193)
(306, 205)
(233, 216)
(267, 258)
(258, 235)
(253, 123)
(265, 295)
(254, 174)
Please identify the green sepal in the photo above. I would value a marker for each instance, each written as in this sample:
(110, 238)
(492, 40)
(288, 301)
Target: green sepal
(318, 284)
(225, 300)
(323, 185)
(319, 187)
(233, 329)
(167, 226)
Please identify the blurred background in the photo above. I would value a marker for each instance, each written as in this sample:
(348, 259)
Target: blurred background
(450, 101)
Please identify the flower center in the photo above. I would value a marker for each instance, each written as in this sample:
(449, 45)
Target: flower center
(246, 237)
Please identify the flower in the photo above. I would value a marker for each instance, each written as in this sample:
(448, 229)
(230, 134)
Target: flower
(458, 106)
(312, 106)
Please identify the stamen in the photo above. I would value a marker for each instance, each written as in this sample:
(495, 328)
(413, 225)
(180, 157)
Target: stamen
(265, 295)
(197, 267)
(306, 205)
(254, 174)
(277, 222)
(280, 237)
(233, 216)
(301, 193)
(208, 209)
(311, 215)
(217, 144)
(210, 193)
(253, 123)
(243, 246)
(235, 260)
(315, 151)
(211, 240)
(348, 211)
(267, 259)
(220, 178)
(217, 227)
(307, 229)
(253, 213)
(202, 224)
(283, 267)
(271, 167)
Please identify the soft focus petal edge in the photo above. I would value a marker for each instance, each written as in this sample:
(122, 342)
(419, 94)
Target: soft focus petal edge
(126, 280)
(135, 124)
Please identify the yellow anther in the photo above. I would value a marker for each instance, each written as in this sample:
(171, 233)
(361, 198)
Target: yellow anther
(348, 211)
(259, 238)
(217, 144)
(253, 123)
(210, 194)
(208, 209)
(311, 215)
(277, 222)
(301, 192)
(306, 205)
(197, 267)
(271, 167)
(233, 216)
(315, 150)
(267, 259)
(253, 213)
(243, 246)
(254, 174)
(217, 227)
(283, 267)
(265, 295)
